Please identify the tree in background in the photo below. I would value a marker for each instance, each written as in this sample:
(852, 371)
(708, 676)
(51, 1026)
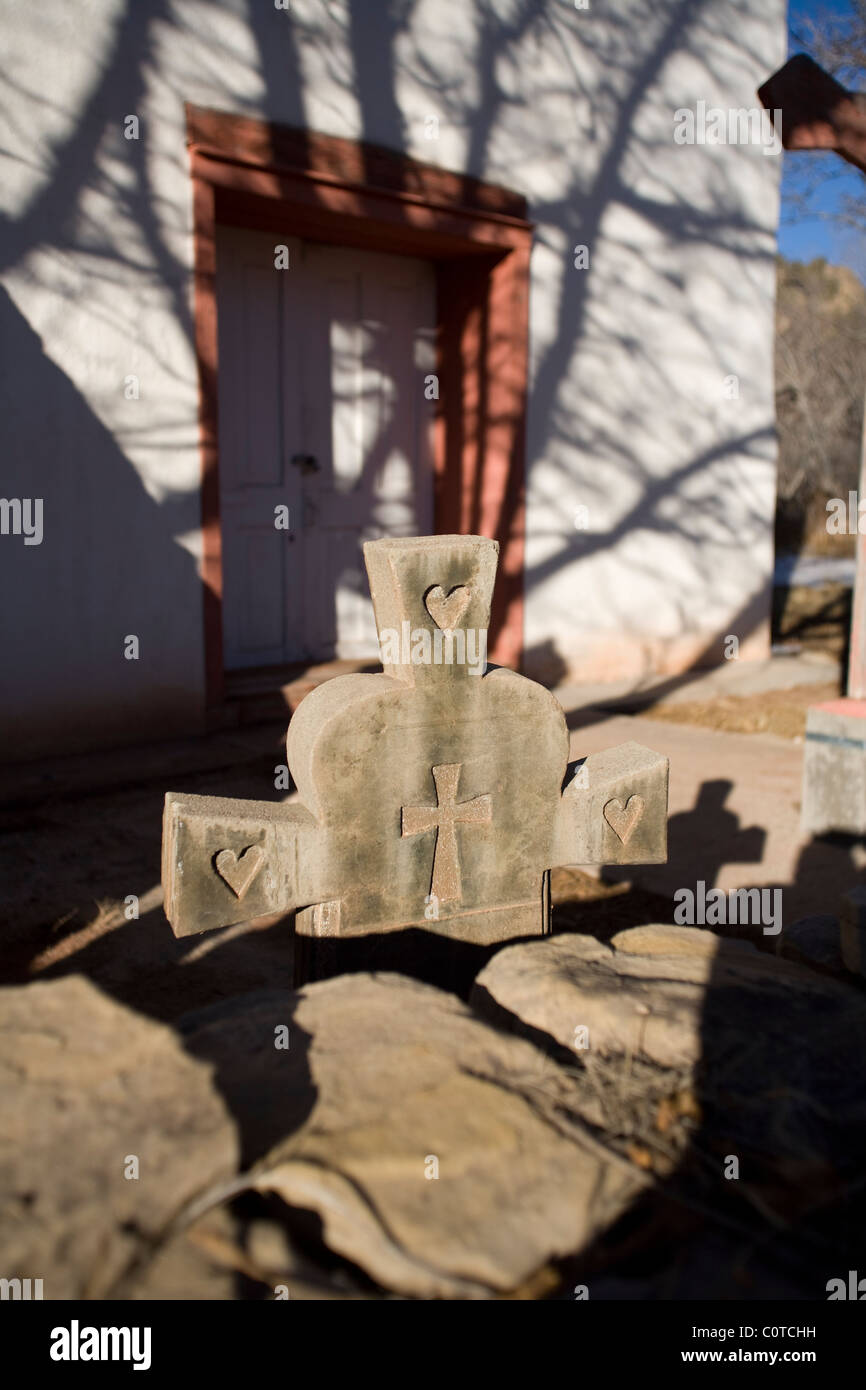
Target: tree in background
(820, 309)
(820, 382)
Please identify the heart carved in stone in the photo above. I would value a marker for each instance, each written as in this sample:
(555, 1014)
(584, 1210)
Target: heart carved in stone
(239, 872)
(447, 612)
(622, 819)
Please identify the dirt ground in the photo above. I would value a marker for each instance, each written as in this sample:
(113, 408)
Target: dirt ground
(814, 619)
(73, 857)
(781, 712)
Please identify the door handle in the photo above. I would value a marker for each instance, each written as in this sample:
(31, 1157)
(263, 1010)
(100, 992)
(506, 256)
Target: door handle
(308, 463)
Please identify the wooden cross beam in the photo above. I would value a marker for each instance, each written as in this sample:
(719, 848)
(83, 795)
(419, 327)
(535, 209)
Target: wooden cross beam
(818, 113)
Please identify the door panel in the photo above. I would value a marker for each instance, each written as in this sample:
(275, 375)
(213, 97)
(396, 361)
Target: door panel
(262, 600)
(327, 361)
(371, 429)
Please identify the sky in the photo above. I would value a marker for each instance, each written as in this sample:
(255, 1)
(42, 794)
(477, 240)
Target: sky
(802, 238)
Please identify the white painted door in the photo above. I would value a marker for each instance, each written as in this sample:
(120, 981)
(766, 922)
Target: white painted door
(324, 410)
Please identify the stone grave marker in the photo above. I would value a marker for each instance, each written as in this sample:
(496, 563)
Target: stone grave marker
(434, 797)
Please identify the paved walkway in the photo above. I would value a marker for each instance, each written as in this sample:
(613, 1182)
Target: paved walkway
(781, 672)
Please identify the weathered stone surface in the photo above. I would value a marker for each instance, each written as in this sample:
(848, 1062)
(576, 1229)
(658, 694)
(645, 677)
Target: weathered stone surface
(84, 1085)
(834, 768)
(573, 982)
(776, 1049)
(431, 795)
(387, 1075)
(381, 1077)
(648, 992)
(444, 1158)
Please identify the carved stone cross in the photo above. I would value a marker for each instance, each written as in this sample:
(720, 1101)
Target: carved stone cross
(443, 817)
(354, 857)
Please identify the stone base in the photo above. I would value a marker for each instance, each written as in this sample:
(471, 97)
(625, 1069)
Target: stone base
(447, 953)
(834, 768)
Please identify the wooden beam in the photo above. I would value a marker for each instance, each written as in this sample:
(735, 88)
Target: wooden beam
(817, 112)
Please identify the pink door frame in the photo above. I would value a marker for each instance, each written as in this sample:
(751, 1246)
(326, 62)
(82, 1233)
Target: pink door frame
(250, 173)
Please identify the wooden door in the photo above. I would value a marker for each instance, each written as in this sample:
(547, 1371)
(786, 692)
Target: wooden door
(325, 408)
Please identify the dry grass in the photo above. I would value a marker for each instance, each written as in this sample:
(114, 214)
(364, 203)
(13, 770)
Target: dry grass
(817, 618)
(781, 712)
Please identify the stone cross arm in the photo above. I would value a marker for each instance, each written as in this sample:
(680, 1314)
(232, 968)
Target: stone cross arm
(614, 809)
(227, 861)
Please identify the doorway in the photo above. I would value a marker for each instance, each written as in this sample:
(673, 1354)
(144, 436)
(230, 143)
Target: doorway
(347, 194)
(325, 433)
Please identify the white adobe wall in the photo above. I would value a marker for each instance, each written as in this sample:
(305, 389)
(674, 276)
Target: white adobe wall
(628, 417)
(652, 484)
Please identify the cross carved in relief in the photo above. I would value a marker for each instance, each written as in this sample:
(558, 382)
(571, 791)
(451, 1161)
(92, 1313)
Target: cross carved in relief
(353, 855)
(444, 817)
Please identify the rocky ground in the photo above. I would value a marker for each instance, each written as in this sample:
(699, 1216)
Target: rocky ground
(627, 1109)
(665, 1116)
(624, 1109)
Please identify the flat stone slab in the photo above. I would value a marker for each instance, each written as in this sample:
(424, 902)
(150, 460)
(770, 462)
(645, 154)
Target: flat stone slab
(86, 1084)
(648, 992)
(444, 1158)
(395, 1081)
(572, 982)
(774, 1049)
